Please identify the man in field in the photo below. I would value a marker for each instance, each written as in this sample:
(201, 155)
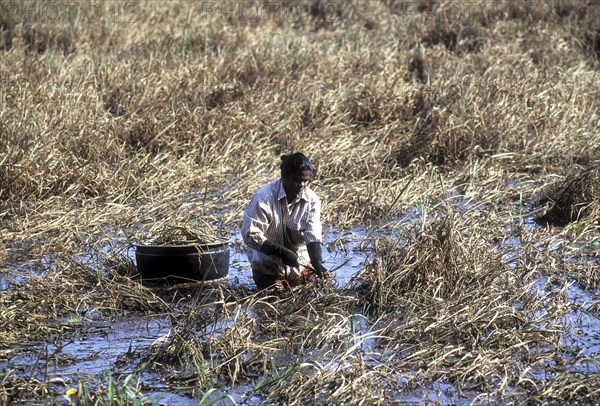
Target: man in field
(282, 228)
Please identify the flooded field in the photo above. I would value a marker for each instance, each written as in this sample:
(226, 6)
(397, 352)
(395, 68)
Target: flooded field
(455, 147)
(101, 348)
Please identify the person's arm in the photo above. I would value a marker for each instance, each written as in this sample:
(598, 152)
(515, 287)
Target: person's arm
(254, 224)
(315, 255)
(313, 236)
(288, 256)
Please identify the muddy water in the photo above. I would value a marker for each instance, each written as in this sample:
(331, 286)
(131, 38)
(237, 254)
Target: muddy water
(104, 347)
(99, 346)
(582, 338)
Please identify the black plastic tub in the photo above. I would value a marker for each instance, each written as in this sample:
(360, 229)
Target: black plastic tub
(183, 263)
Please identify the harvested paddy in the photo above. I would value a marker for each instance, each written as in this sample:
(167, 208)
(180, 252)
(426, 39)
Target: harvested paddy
(457, 160)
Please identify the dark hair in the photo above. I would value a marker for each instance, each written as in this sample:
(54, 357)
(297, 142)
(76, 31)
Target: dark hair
(295, 162)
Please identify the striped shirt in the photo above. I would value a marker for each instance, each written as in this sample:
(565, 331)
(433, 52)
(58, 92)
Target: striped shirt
(268, 216)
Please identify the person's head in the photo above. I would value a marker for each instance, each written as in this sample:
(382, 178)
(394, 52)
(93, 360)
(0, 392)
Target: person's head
(296, 173)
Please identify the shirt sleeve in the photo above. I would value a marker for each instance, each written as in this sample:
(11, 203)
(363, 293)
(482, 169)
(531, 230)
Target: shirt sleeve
(257, 217)
(314, 230)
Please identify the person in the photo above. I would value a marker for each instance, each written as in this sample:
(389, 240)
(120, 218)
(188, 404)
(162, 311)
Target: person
(282, 228)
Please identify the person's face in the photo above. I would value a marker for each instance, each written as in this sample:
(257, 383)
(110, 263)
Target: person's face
(295, 182)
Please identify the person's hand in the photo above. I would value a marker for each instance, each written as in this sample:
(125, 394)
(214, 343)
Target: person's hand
(320, 271)
(314, 252)
(288, 256)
